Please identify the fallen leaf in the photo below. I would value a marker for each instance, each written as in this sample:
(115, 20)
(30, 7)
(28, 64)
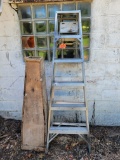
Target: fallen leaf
(74, 144)
(41, 156)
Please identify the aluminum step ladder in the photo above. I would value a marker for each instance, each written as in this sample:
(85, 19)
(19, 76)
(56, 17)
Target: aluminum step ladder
(68, 28)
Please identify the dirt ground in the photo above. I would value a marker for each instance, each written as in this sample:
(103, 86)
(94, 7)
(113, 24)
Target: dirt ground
(105, 144)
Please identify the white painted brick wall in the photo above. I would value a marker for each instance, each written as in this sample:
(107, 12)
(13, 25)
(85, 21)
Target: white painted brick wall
(102, 71)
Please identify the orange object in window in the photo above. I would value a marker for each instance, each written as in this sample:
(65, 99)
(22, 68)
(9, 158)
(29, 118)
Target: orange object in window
(31, 42)
(28, 42)
(62, 45)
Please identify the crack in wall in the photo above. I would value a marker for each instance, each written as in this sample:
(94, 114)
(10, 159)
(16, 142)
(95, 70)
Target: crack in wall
(14, 81)
(92, 122)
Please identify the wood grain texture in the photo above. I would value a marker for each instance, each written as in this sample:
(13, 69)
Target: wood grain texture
(34, 117)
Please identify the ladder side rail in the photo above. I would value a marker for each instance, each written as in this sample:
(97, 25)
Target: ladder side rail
(87, 118)
(56, 25)
(80, 33)
(83, 70)
(50, 116)
(82, 52)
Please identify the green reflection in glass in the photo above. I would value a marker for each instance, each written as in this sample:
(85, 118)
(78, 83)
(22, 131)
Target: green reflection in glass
(42, 54)
(86, 54)
(52, 9)
(28, 53)
(51, 26)
(86, 40)
(58, 54)
(41, 42)
(40, 27)
(86, 25)
(40, 11)
(85, 8)
(51, 42)
(26, 27)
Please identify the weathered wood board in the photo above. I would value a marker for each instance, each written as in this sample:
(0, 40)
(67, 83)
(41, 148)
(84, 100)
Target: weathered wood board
(34, 116)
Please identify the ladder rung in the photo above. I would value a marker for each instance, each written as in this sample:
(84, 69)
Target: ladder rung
(67, 12)
(69, 60)
(69, 84)
(68, 130)
(68, 106)
(69, 124)
(68, 36)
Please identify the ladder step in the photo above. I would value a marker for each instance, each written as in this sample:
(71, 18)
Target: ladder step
(68, 130)
(69, 60)
(68, 106)
(69, 124)
(67, 12)
(69, 83)
(69, 36)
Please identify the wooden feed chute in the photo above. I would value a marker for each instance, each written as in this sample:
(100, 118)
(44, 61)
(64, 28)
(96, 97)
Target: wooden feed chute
(34, 116)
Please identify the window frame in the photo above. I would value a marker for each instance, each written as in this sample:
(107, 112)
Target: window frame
(48, 35)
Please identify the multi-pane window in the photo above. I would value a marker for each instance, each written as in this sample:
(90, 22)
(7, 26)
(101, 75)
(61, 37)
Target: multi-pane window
(37, 27)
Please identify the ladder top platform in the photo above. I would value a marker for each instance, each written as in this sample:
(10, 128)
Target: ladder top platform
(68, 12)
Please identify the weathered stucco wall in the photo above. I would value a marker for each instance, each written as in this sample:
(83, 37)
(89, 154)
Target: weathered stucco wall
(11, 64)
(102, 71)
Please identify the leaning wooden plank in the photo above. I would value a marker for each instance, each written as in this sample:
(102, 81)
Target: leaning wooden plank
(34, 116)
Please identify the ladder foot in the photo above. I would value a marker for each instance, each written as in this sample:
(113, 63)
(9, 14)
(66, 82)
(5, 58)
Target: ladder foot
(89, 149)
(47, 147)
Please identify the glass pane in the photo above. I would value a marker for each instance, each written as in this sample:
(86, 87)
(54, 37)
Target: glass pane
(51, 42)
(69, 7)
(28, 42)
(42, 54)
(25, 12)
(40, 27)
(85, 8)
(51, 55)
(86, 54)
(59, 54)
(39, 11)
(51, 26)
(67, 53)
(86, 25)
(52, 9)
(41, 42)
(28, 53)
(26, 27)
(86, 40)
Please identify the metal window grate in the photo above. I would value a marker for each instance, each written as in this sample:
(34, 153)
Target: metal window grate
(38, 21)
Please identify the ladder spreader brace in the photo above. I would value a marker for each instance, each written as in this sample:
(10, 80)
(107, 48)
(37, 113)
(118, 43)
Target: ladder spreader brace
(68, 27)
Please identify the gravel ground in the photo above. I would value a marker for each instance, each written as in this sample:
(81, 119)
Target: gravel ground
(105, 144)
